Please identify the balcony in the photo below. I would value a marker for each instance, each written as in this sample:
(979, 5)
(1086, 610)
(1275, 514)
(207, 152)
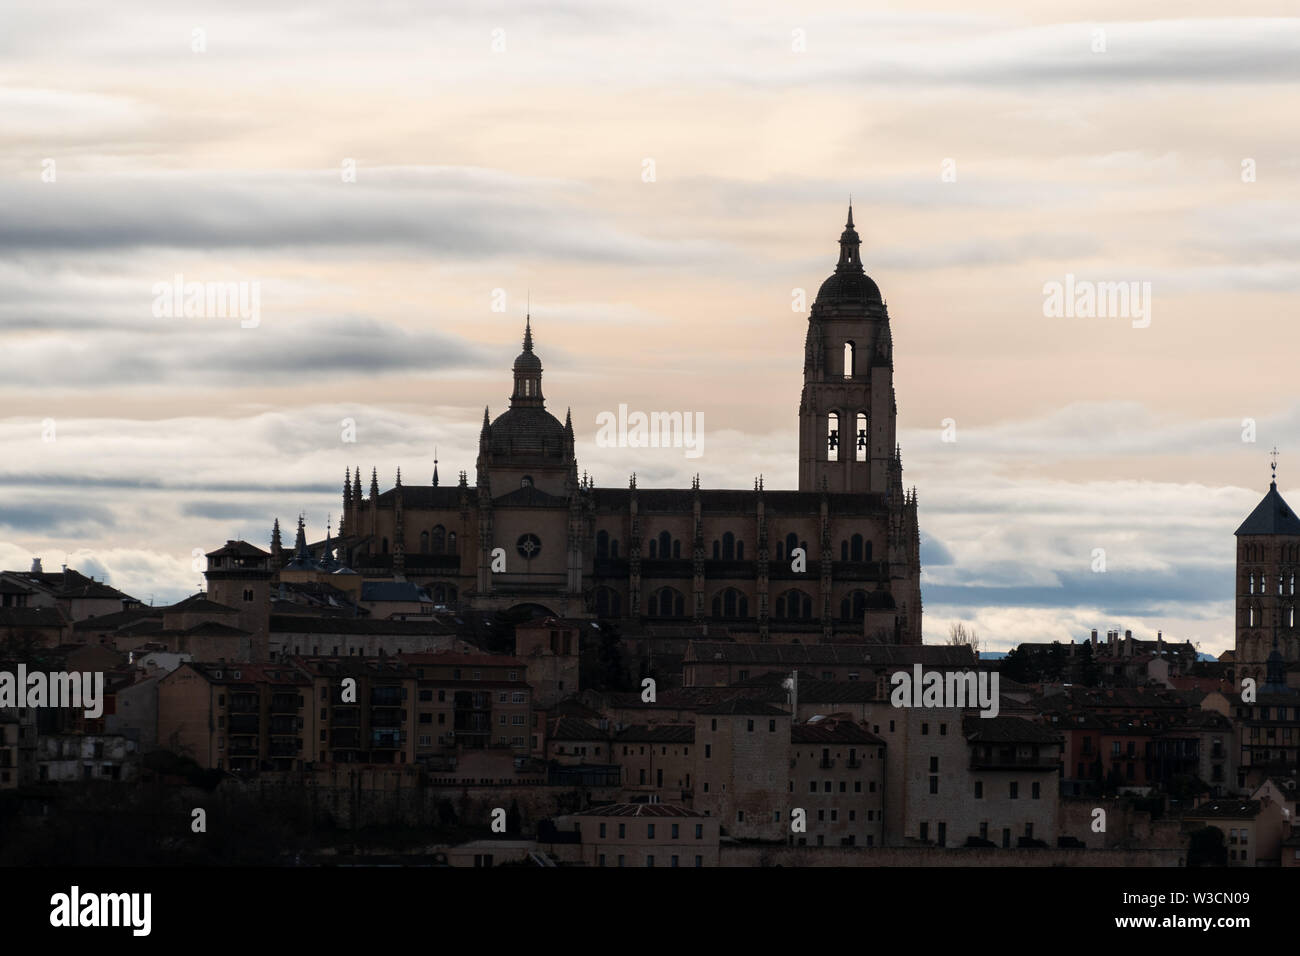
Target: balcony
(826, 763)
(346, 718)
(286, 748)
(283, 726)
(346, 738)
(243, 750)
(386, 697)
(284, 704)
(853, 763)
(387, 740)
(244, 724)
(243, 703)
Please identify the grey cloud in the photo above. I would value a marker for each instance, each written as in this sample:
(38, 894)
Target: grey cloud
(434, 214)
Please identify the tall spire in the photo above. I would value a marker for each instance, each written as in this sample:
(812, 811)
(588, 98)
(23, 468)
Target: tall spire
(356, 484)
(435, 466)
(1273, 454)
(528, 332)
(276, 545)
(300, 544)
(374, 483)
(850, 258)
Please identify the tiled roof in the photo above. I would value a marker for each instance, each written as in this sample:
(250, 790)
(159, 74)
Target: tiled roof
(793, 655)
(241, 549)
(640, 810)
(32, 617)
(1271, 516)
(251, 673)
(457, 659)
(1006, 730)
(69, 584)
(832, 732)
(657, 734)
(570, 728)
(1233, 809)
(109, 622)
(199, 604)
(744, 706)
(312, 624)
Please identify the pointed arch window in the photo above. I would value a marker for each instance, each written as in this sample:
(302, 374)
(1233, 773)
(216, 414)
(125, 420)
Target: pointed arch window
(728, 546)
(833, 436)
(451, 542)
(860, 445)
(438, 540)
(665, 544)
(602, 544)
(424, 542)
(850, 359)
(855, 548)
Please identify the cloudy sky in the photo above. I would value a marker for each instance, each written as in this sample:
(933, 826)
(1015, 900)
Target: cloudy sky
(503, 145)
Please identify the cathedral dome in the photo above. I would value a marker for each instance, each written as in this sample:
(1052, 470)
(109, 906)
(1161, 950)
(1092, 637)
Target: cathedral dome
(849, 287)
(527, 430)
(849, 283)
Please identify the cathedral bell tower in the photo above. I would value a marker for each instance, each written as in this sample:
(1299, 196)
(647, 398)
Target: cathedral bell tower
(847, 409)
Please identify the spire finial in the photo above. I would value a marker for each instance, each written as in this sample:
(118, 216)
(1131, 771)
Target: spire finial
(849, 224)
(528, 333)
(1273, 455)
(435, 466)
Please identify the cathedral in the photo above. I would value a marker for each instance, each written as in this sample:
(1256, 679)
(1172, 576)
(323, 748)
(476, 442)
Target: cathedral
(838, 559)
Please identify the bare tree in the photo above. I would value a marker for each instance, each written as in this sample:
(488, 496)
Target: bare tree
(960, 635)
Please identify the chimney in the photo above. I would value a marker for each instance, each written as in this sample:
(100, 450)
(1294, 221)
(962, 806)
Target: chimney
(36, 566)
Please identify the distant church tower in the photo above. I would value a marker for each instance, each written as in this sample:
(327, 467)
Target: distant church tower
(847, 410)
(1268, 558)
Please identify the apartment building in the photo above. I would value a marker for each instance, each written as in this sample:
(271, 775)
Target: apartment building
(239, 717)
(363, 709)
(469, 702)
